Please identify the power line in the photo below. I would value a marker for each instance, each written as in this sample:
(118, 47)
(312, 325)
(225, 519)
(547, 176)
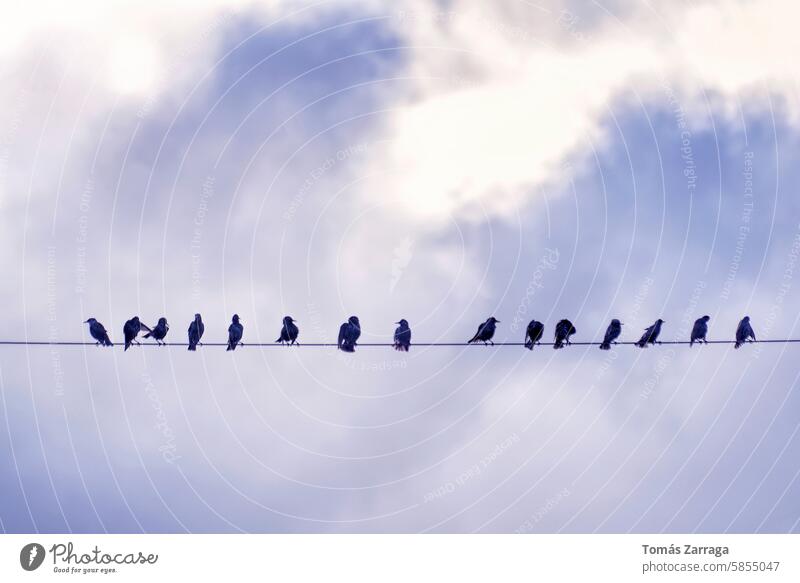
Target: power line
(383, 344)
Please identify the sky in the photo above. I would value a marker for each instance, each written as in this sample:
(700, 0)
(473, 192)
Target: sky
(441, 162)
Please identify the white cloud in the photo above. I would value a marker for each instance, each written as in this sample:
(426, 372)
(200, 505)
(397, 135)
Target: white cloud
(503, 96)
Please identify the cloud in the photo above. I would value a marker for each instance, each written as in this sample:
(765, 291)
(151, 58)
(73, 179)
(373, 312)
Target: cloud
(501, 97)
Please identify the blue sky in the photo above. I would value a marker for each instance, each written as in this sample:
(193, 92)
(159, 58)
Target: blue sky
(438, 162)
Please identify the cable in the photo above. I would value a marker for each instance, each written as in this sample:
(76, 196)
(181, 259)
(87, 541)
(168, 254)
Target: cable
(382, 344)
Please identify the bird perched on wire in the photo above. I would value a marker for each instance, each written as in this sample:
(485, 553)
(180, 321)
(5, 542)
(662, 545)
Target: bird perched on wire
(744, 331)
(349, 333)
(485, 331)
(159, 331)
(289, 332)
(699, 331)
(196, 329)
(612, 333)
(235, 332)
(131, 330)
(564, 329)
(98, 332)
(533, 333)
(402, 336)
(650, 335)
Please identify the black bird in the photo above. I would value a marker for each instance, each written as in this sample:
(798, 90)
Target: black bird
(196, 329)
(349, 333)
(235, 332)
(131, 330)
(650, 335)
(159, 331)
(699, 331)
(289, 331)
(612, 333)
(485, 331)
(98, 332)
(402, 336)
(533, 334)
(743, 331)
(564, 329)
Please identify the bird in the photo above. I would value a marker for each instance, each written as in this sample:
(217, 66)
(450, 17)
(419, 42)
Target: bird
(402, 336)
(235, 332)
(564, 329)
(349, 333)
(159, 331)
(98, 332)
(699, 331)
(131, 330)
(485, 331)
(612, 333)
(289, 331)
(650, 335)
(196, 329)
(533, 333)
(743, 331)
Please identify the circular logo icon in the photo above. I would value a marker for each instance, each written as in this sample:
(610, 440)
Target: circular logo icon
(31, 556)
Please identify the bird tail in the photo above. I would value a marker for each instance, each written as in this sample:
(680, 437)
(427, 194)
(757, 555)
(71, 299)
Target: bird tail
(737, 345)
(127, 345)
(192, 347)
(605, 346)
(107, 342)
(529, 344)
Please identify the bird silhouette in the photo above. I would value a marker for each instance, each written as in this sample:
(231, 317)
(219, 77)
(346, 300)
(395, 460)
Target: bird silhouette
(533, 333)
(159, 331)
(98, 332)
(402, 336)
(349, 333)
(650, 335)
(196, 329)
(699, 331)
(235, 332)
(612, 333)
(564, 329)
(289, 332)
(131, 330)
(744, 331)
(485, 332)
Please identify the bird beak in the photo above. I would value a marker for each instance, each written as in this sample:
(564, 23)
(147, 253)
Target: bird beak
(86, 322)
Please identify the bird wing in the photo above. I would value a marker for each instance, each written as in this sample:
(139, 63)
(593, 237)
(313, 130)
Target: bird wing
(343, 333)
